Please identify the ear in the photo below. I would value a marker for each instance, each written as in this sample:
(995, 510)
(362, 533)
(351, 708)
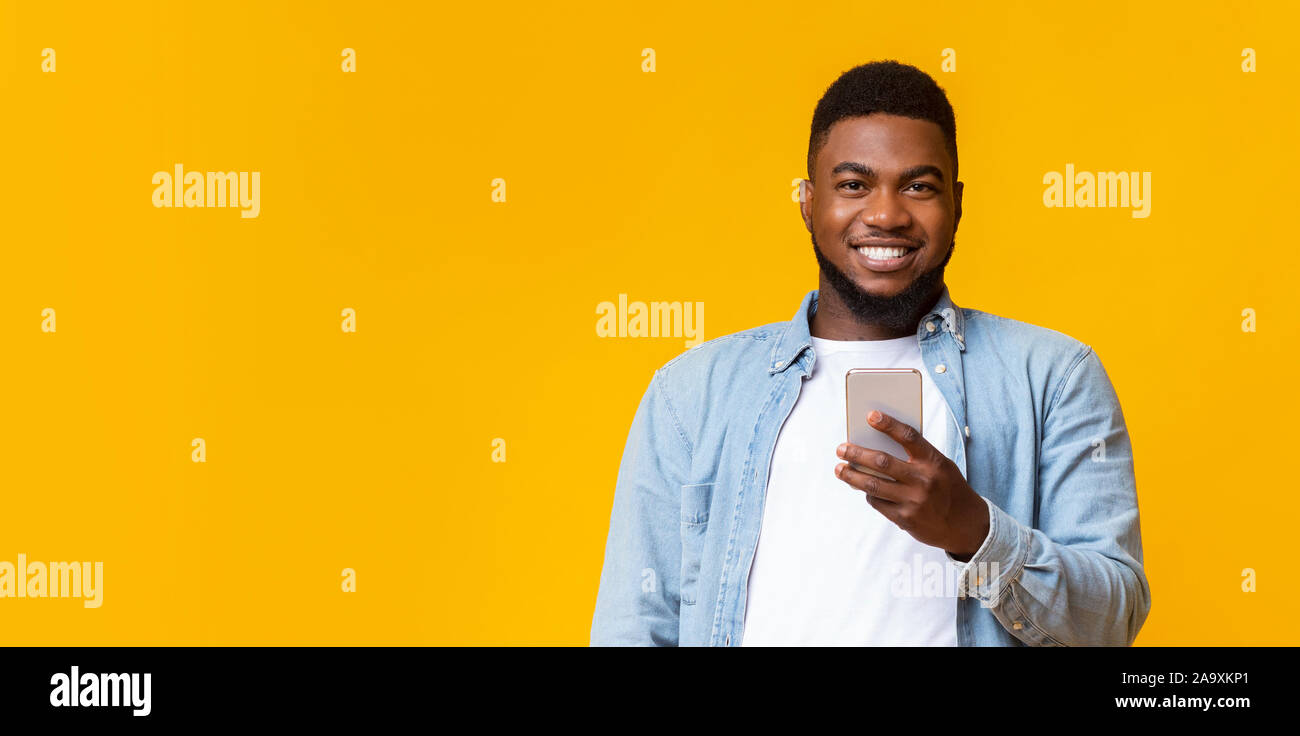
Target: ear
(805, 204)
(956, 193)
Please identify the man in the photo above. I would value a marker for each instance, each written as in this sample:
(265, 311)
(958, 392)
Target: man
(737, 518)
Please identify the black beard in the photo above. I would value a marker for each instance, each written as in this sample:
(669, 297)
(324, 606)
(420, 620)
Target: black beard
(898, 313)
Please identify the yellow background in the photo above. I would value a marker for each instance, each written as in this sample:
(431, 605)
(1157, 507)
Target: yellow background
(476, 319)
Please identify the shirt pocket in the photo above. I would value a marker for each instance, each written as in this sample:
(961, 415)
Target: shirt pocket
(695, 523)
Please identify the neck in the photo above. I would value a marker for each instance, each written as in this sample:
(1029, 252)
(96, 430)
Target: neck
(833, 320)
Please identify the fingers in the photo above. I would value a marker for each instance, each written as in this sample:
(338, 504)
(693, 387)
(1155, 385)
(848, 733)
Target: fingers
(904, 434)
(875, 488)
(881, 462)
(888, 509)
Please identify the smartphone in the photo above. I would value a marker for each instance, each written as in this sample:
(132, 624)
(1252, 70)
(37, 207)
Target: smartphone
(894, 391)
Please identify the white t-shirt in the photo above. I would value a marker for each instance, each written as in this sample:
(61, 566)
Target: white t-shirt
(829, 569)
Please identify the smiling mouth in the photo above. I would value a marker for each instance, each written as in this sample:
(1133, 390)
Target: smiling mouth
(884, 252)
(886, 258)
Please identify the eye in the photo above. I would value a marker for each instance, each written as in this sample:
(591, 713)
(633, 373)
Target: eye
(854, 183)
(923, 184)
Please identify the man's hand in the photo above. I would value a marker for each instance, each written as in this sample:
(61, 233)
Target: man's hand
(930, 500)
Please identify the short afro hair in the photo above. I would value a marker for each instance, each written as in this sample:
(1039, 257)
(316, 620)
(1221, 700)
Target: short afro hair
(883, 86)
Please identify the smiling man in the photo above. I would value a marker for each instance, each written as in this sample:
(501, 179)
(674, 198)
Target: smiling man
(1013, 520)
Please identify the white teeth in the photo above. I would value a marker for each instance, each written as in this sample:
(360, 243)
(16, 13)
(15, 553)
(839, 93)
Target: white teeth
(882, 254)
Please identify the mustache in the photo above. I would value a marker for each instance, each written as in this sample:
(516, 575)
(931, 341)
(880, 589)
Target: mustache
(860, 240)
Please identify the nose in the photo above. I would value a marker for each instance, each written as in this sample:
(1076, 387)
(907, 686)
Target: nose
(886, 210)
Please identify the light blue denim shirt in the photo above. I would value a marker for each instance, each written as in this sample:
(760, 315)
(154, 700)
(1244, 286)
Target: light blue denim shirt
(1038, 433)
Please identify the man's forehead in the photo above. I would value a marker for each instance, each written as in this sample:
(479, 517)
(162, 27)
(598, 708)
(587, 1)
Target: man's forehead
(880, 133)
(884, 142)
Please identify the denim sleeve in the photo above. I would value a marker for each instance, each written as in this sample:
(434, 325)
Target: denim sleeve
(639, 595)
(1076, 579)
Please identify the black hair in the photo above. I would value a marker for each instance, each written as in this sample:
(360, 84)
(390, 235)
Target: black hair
(883, 86)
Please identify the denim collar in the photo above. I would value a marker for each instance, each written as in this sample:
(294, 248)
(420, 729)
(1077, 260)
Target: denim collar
(944, 317)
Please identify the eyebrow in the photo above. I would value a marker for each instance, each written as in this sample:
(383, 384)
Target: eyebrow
(870, 173)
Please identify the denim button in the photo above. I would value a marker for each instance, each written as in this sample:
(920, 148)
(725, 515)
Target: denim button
(1017, 626)
(929, 327)
(940, 368)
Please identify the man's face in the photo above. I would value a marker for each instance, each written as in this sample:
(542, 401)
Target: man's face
(884, 182)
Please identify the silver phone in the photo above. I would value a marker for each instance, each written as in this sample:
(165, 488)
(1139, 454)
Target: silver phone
(894, 391)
